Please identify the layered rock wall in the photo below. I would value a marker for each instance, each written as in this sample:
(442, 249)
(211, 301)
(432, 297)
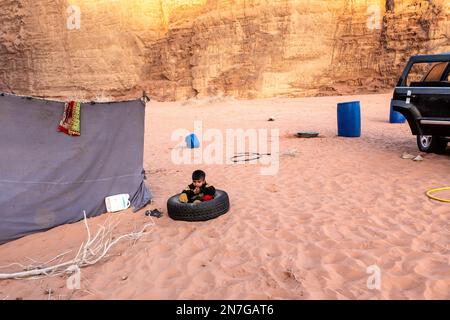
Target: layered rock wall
(178, 49)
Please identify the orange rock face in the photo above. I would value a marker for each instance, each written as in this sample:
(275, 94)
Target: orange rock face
(178, 49)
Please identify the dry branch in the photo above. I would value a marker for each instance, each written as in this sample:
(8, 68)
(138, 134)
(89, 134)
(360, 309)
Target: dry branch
(90, 252)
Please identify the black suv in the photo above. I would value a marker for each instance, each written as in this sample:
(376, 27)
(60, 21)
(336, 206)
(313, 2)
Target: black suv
(422, 95)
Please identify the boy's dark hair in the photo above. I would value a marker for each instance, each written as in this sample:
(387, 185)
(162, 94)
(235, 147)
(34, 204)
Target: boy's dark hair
(198, 175)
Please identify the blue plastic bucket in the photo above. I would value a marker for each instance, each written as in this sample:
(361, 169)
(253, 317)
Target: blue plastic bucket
(396, 117)
(349, 119)
(192, 141)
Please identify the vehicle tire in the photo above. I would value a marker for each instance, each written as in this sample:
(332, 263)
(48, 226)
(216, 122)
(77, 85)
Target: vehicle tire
(432, 144)
(204, 211)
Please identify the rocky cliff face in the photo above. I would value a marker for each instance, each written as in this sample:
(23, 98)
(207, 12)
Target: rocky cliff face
(177, 49)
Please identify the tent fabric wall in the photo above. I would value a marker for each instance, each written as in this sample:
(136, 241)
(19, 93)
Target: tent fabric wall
(48, 178)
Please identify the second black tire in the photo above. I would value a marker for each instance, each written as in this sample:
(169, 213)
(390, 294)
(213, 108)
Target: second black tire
(432, 144)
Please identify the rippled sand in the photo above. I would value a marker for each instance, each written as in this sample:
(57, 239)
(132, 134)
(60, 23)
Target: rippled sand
(336, 207)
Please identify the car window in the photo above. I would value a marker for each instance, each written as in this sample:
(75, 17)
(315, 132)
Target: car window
(425, 72)
(436, 72)
(418, 72)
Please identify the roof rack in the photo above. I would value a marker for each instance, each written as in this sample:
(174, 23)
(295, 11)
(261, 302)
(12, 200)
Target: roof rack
(440, 57)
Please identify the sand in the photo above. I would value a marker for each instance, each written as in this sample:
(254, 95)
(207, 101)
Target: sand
(336, 207)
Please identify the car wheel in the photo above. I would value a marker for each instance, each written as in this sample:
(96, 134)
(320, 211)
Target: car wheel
(432, 144)
(204, 211)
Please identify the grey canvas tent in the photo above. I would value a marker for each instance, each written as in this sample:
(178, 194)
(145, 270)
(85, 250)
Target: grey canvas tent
(48, 178)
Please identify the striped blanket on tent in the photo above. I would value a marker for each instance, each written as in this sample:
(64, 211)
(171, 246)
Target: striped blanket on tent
(70, 124)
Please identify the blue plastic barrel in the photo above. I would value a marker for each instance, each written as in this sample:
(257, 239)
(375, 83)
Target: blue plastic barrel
(396, 117)
(192, 141)
(349, 119)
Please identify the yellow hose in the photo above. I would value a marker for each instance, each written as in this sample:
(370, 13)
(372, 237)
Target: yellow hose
(430, 194)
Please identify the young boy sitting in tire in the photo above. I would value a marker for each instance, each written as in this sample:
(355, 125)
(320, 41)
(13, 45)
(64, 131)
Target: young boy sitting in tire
(199, 190)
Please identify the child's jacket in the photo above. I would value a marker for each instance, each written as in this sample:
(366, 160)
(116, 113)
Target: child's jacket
(205, 190)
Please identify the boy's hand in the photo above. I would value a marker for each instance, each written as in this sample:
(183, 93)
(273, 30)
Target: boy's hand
(184, 198)
(197, 190)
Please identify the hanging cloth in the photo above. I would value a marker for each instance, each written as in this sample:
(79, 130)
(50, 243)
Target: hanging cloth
(70, 124)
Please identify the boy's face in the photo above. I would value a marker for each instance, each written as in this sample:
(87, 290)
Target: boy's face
(198, 183)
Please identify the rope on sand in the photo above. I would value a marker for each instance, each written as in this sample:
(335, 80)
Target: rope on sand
(431, 196)
(248, 156)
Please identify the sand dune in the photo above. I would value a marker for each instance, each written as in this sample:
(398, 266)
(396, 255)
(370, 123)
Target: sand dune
(336, 207)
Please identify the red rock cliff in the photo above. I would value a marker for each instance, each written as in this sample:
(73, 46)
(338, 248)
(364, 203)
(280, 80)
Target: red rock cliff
(177, 49)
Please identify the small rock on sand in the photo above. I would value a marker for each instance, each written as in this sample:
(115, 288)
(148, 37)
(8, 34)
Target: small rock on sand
(412, 157)
(408, 156)
(290, 153)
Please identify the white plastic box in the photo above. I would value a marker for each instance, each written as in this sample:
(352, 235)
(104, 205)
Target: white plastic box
(118, 202)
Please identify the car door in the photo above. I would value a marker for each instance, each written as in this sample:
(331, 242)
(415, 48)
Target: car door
(431, 97)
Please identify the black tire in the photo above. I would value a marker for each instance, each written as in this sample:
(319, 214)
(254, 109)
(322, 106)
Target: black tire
(432, 144)
(204, 211)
